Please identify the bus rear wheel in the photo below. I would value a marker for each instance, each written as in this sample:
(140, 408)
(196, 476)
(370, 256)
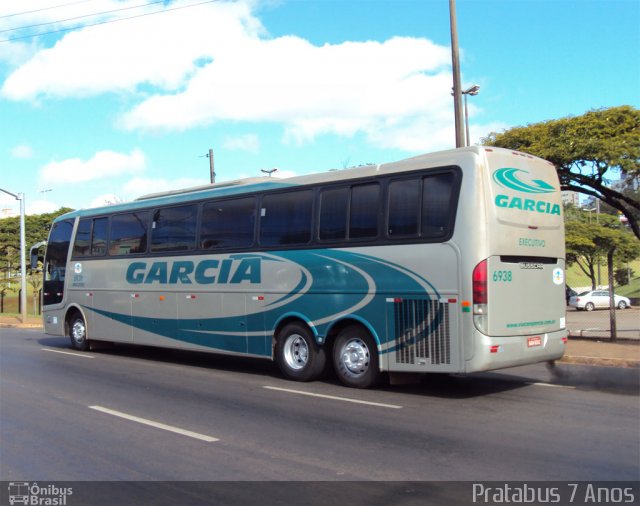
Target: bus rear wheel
(297, 354)
(355, 358)
(78, 332)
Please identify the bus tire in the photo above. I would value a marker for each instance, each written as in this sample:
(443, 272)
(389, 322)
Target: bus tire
(355, 358)
(78, 332)
(297, 354)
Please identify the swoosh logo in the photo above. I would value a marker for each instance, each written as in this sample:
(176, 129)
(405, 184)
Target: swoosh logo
(512, 179)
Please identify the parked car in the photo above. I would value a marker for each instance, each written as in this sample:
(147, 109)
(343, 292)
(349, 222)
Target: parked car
(593, 299)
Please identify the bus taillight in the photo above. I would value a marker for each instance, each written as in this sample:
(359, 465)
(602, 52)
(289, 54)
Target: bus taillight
(480, 284)
(480, 296)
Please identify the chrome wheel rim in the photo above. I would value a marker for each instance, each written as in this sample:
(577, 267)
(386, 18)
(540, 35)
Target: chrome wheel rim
(296, 352)
(355, 357)
(78, 331)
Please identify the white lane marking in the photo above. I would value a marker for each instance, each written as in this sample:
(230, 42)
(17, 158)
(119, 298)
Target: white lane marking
(333, 397)
(157, 425)
(68, 353)
(552, 385)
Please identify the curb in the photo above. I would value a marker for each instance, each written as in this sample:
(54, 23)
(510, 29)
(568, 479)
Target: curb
(600, 361)
(20, 326)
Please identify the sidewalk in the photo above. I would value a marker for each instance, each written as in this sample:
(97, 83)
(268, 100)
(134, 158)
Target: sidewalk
(579, 351)
(602, 353)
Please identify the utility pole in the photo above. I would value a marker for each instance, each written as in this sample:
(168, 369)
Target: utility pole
(212, 172)
(457, 89)
(269, 172)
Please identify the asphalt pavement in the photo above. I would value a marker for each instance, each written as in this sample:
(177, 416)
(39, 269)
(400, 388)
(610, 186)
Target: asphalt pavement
(140, 415)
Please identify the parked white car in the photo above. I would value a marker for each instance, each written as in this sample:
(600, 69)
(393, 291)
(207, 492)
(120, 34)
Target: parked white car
(593, 299)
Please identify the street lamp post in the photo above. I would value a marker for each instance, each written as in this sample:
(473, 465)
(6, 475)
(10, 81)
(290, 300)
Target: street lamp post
(473, 90)
(23, 256)
(455, 64)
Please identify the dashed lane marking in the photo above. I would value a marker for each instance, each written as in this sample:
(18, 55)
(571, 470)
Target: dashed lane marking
(82, 355)
(333, 397)
(157, 425)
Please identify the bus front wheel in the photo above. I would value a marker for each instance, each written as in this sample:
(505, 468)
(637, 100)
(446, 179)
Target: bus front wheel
(297, 354)
(355, 358)
(78, 333)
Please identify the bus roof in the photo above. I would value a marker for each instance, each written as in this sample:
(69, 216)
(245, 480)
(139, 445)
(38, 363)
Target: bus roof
(256, 184)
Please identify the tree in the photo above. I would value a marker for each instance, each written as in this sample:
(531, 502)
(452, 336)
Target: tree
(588, 242)
(586, 151)
(36, 229)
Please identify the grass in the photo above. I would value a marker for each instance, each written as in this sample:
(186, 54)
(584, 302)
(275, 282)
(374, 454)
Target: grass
(578, 279)
(11, 303)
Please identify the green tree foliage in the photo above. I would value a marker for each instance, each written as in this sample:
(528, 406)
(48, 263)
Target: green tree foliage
(36, 229)
(586, 151)
(590, 239)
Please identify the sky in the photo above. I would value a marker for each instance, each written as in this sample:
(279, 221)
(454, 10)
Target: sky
(102, 101)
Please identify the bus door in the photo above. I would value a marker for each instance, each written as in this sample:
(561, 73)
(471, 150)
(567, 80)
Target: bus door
(55, 263)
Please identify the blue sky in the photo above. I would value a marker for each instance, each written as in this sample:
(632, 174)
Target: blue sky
(110, 112)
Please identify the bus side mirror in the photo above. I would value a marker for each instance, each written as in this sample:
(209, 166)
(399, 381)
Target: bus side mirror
(33, 252)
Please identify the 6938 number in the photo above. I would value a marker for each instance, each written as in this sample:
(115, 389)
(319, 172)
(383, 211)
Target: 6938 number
(502, 276)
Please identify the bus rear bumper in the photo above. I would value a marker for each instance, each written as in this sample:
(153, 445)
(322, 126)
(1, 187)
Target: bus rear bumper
(511, 351)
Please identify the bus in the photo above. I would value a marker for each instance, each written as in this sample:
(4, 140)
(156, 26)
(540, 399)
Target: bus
(450, 262)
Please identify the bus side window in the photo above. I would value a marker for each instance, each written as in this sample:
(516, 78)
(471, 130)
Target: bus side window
(334, 205)
(99, 237)
(129, 233)
(364, 210)
(228, 224)
(82, 242)
(404, 208)
(174, 229)
(285, 218)
(437, 206)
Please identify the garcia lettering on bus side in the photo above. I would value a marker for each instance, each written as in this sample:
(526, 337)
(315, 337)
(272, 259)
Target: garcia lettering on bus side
(205, 272)
(538, 206)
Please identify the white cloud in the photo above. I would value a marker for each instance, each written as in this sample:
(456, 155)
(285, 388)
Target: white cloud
(341, 89)
(102, 165)
(248, 142)
(162, 50)
(41, 207)
(22, 151)
(200, 65)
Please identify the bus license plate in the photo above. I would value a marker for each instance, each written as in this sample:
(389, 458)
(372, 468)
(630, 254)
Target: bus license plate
(534, 341)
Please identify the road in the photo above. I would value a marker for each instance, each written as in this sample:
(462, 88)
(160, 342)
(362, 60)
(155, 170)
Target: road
(143, 414)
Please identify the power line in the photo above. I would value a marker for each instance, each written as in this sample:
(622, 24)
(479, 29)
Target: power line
(83, 16)
(11, 39)
(45, 9)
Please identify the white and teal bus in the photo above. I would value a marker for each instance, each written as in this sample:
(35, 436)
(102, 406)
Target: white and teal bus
(450, 262)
